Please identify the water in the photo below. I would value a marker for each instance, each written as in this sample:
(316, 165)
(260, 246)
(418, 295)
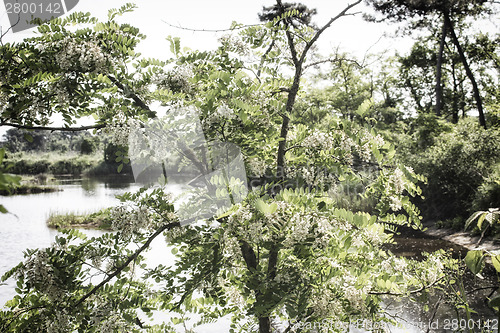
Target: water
(25, 227)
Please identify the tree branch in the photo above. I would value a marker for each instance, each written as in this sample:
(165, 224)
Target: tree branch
(49, 128)
(326, 26)
(120, 268)
(137, 100)
(210, 30)
(410, 292)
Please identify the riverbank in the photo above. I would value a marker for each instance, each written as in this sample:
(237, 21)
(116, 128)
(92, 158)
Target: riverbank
(70, 163)
(462, 238)
(32, 185)
(98, 220)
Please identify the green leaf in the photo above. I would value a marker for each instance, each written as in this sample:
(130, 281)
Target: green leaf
(120, 168)
(495, 302)
(472, 218)
(474, 261)
(265, 208)
(480, 221)
(3, 210)
(495, 260)
(28, 137)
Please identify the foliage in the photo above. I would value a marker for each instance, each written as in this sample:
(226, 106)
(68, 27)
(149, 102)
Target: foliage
(38, 141)
(456, 166)
(34, 164)
(491, 216)
(286, 253)
(475, 261)
(6, 181)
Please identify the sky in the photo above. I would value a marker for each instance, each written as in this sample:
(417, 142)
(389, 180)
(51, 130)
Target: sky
(350, 34)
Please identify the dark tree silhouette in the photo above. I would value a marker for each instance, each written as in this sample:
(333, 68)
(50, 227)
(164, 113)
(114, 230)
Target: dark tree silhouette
(304, 15)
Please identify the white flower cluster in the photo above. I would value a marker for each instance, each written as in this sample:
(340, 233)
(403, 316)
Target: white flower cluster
(112, 323)
(129, 222)
(394, 265)
(234, 44)
(231, 247)
(39, 271)
(355, 292)
(58, 323)
(221, 114)
(346, 146)
(365, 152)
(396, 182)
(120, 129)
(257, 166)
(326, 305)
(318, 139)
(238, 223)
(395, 203)
(174, 234)
(178, 79)
(300, 227)
(316, 178)
(434, 268)
(84, 55)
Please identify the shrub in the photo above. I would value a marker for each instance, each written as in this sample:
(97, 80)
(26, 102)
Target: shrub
(456, 166)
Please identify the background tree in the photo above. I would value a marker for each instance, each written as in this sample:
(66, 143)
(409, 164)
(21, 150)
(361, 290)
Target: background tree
(449, 12)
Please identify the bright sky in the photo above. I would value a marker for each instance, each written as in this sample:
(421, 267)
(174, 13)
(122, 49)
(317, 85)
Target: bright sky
(351, 34)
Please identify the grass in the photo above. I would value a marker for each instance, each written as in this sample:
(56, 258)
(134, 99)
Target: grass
(31, 185)
(54, 163)
(99, 220)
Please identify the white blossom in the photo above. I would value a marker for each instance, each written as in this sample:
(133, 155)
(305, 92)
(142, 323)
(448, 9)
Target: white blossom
(397, 180)
(86, 55)
(257, 166)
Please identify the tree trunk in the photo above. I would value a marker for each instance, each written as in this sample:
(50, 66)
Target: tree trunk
(455, 96)
(439, 65)
(468, 71)
(264, 325)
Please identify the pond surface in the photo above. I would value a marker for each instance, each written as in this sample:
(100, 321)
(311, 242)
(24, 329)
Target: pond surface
(25, 227)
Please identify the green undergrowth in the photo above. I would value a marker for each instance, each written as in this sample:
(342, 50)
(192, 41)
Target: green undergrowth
(33, 164)
(98, 220)
(31, 184)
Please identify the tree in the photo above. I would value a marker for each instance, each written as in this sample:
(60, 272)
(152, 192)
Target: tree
(285, 252)
(402, 10)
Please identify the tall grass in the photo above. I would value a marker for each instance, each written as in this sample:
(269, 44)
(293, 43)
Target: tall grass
(33, 164)
(98, 220)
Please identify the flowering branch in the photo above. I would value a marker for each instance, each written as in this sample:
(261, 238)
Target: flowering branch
(410, 292)
(134, 256)
(139, 102)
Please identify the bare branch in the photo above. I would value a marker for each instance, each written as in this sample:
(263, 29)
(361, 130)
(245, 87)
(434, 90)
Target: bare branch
(327, 25)
(3, 34)
(333, 60)
(210, 30)
(264, 56)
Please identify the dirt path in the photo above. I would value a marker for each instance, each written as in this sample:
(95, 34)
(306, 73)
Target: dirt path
(463, 239)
